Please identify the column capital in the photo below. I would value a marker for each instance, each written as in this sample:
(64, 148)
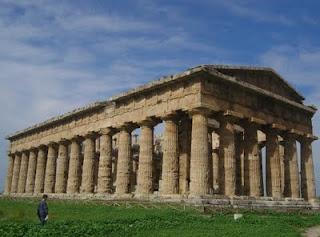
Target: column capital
(107, 131)
(148, 122)
(229, 115)
(42, 147)
(307, 138)
(63, 141)
(199, 110)
(52, 144)
(76, 138)
(173, 116)
(91, 134)
(129, 127)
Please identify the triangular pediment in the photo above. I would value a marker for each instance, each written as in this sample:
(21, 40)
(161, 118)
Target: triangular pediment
(265, 78)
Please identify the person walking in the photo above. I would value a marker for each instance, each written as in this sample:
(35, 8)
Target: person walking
(43, 210)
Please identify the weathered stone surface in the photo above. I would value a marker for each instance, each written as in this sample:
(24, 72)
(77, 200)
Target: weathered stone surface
(184, 154)
(227, 153)
(199, 161)
(308, 190)
(73, 183)
(170, 163)
(16, 171)
(251, 152)
(50, 176)
(176, 167)
(7, 188)
(124, 164)
(291, 167)
(40, 170)
(31, 175)
(273, 167)
(87, 185)
(23, 172)
(145, 179)
(105, 162)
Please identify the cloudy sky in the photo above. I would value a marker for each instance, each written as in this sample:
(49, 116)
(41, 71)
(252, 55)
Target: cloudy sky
(58, 55)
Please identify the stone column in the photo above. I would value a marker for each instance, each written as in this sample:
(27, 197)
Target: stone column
(50, 175)
(74, 166)
(227, 153)
(16, 171)
(281, 152)
(170, 161)
(105, 162)
(23, 172)
(145, 178)
(7, 189)
(307, 170)
(31, 171)
(62, 167)
(184, 155)
(239, 144)
(251, 152)
(215, 162)
(87, 185)
(40, 171)
(124, 164)
(273, 164)
(199, 161)
(291, 166)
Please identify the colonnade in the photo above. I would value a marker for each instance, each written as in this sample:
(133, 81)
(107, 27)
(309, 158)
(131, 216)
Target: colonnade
(190, 164)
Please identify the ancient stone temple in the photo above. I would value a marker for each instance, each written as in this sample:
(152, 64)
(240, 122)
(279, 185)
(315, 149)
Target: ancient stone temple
(230, 134)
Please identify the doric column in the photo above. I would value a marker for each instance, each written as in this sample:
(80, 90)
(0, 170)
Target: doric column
(170, 161)
(87, 185)
(184, 154)
(239, 144)
(307, 170)
(215, 162)
(291, 166)
(273, 167)
(251, 152)
(62, 167)
(50, 175)
(124, 164)
(282, 170)
(227, 154)
(105, 162)
(7, 189)
(40, 171)
(23, 172)
(16, 171)
(31, 171)
(199, 161)
(145, 178)
(73, 183)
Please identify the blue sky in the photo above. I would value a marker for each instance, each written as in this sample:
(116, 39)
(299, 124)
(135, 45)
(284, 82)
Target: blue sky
(58, 55)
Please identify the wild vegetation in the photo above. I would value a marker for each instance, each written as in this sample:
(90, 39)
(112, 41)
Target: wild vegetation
(69, 218)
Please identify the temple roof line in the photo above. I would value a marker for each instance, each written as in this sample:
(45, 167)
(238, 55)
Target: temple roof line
(211, 69)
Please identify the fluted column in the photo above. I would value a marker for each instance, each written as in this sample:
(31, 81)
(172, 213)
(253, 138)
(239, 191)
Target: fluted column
(87, 185)
(50, 176)
(31, 175)
(62, 167)
(170, 161)
(184, 155)
(23, 172)
(307, 170)
(124, 164)
(7, 189)
(273, 164)
(40, 170)
(145, 178)
(105, 162)
(227, 153)
(16, 171)
(215, 163)
(73, 183)
(251, 152)
(291, 166)
(199, 161)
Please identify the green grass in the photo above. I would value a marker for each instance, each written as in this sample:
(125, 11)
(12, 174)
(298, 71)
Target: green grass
(66, 218)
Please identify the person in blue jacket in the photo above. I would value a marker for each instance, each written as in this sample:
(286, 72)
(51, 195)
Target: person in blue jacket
(43, 210)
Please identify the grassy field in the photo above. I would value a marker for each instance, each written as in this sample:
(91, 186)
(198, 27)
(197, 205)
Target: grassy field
(18, 218)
